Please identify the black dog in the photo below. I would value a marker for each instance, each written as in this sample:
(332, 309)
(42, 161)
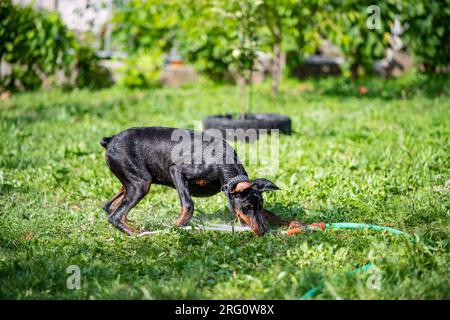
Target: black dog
(201, 165)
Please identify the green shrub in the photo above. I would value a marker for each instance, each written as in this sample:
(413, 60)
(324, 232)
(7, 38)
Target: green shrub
(35, 42)
(146, 24)
(142, 69)
(206, 37)
(345, 24)
(90, 73)
(428, 32)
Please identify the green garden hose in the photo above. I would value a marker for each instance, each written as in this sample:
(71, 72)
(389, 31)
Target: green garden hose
(312, 292)
(347, 225)
(311, 227)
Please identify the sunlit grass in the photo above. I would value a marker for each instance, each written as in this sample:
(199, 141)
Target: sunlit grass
(381, 158)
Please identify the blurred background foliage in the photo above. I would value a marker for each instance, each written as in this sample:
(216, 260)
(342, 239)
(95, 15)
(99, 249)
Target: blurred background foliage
(207, 32)
(428, 32)
(37, 44)
(219, 37)
(347, 29)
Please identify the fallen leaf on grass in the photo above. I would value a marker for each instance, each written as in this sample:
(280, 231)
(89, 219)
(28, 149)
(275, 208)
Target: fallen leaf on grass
(27, 236)
(363, 90)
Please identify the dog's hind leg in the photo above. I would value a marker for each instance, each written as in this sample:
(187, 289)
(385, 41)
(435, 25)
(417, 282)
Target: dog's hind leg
(134, 192)
(114, 202)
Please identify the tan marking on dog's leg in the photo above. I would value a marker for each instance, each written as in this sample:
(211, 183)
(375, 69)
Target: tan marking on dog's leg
(129, 228)
(184, 217)
(125, 219)
(117, 200)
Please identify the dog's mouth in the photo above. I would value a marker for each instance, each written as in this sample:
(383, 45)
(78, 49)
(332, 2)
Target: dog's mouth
(254, 220)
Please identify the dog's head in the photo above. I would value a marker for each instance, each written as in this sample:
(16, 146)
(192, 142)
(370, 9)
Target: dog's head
(247, 202)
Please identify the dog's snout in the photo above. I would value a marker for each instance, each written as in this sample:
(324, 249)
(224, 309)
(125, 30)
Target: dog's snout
(264, 228)
(261, 224)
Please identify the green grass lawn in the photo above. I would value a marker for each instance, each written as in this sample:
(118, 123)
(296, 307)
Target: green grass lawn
(381, 158)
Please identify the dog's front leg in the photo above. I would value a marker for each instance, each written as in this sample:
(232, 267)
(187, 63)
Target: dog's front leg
(182, 186)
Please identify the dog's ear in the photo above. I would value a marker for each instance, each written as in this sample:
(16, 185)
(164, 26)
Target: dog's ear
(264, 185)
(241, 186)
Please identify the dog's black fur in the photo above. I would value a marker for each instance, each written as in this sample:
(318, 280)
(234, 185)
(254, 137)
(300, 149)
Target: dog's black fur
(139, 157)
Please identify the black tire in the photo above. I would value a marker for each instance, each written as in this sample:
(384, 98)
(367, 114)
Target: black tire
(255, 121)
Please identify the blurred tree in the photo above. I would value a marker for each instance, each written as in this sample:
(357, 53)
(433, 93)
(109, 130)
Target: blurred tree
(246, 42)
(91, 74)
(220, 37)
(35, 42)
(239, 31)
(146, 29)
(209, 33)
(147, 24)
(291, 28)
(143, 69)
(428, 32)
(303, 38)
(357, 29)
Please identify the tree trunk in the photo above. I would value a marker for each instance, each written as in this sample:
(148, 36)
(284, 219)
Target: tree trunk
(276, 67)
(355, 69)
(277, 61)
(243, 100)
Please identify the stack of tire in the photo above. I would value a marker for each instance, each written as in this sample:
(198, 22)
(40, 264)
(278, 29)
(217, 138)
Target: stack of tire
(255, 121)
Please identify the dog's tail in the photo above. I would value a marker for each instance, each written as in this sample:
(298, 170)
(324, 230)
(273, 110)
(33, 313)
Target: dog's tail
(105, 141)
